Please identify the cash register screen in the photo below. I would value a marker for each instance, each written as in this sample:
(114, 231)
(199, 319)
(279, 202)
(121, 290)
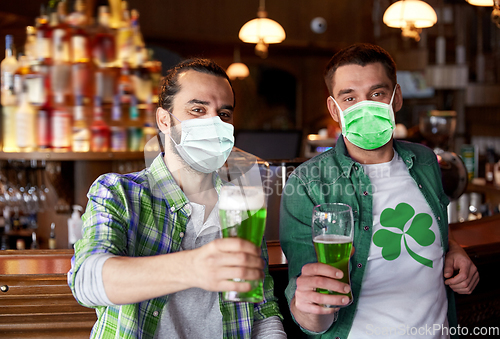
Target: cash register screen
(270, 144)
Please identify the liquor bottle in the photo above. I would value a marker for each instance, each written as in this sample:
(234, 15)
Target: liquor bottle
(8, 67)
(124, 37)
(103, 47)
(81, 132)
(150, 130)
(34, 242)
(81, 68)
(154, 67)
(143, 83)
(60, 34)
(44, 135)
(43, 38)
(26, 124)
(60, 126)
(52, 237)
(134, 130)
(99, 129)
(60, 71)
(117, 127)
(140, 52)
(30, 43)
(125, 85)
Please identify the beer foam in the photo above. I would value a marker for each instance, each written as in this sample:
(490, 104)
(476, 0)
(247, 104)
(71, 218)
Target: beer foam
(241, 198)
(332, 239)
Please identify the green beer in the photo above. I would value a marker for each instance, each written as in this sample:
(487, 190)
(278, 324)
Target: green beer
(242, 214)
(334, 250)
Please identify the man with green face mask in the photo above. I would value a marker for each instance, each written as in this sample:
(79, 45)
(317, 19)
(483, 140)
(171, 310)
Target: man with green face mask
(404, 268)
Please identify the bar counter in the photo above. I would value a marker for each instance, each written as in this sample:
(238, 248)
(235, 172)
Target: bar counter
(36, 302)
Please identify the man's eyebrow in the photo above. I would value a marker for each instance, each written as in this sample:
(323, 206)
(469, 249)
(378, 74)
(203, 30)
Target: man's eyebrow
(345, 91)
(228, 107)
(377, 86)
(199, 102)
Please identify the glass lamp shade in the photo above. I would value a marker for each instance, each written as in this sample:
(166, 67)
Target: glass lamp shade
(414, 13)
(484, 3)
(237, 70)
(262, 29)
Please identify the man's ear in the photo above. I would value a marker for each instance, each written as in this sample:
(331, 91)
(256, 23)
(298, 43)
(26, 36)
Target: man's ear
(398, 99)
(163, 120)
(332, 108)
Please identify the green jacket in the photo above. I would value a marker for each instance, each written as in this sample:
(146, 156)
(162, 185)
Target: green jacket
(334, 177)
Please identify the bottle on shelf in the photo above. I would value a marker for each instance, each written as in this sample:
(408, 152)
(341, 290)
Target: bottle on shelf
(8, 68)
(26, 117)
(125, 85)
(81, 132)
(134, 130)
(44, 118)
(43, 38)
(103, 47)
(81, 68)
(61, 125)
(99, 129)
(150, 129)
(490, 163)
(34, 241)
(117, 127)
(52, 237)
(124, 37)
(143, 83)
(60, 71)
(140, 52)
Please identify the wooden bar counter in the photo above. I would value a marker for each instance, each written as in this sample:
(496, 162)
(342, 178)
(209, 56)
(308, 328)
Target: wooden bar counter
(36, 302)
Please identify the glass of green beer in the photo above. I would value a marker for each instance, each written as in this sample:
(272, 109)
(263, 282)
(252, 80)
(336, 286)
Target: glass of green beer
(332, 233)
(242, 213)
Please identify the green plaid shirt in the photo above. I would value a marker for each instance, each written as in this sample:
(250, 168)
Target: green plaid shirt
(144, 214)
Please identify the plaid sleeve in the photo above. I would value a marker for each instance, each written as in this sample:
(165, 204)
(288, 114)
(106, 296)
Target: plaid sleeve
(105, 223)
(269, 306)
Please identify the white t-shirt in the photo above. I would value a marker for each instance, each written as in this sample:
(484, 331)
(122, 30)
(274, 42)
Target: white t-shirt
(403, 292)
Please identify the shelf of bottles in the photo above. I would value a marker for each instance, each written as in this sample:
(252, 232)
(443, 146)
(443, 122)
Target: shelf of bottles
(81, 89)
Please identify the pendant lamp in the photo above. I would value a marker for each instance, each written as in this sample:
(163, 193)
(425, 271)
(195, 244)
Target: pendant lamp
(237, 70)
(411, 16)
(262, 31)
(484, 3)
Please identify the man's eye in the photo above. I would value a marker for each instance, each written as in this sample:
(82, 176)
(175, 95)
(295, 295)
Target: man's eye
(225, 115)
(349, 99)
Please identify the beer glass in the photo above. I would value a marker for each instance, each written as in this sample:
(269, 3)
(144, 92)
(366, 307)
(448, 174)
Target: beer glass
(242, 213)
(332, 234)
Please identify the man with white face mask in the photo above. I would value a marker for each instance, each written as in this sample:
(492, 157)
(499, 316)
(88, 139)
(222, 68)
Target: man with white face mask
(151, 260)
(405, 266)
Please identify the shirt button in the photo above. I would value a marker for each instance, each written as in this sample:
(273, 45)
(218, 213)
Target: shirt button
(356, 168)
(155, 313)
(360, 265)
(439, 218)
(419, 186)
(181, 234)
(172, 209)
(366, 228)
(365, 193)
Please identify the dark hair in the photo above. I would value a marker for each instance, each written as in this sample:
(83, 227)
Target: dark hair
(360, 54)
(170, 85)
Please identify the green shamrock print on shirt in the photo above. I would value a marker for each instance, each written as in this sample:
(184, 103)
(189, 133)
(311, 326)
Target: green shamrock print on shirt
(419, 230)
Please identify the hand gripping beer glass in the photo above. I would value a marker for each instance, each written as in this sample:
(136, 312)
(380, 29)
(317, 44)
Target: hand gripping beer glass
(332, 233)
(242, 212)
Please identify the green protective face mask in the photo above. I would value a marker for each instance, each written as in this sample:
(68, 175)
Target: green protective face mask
(368, 124)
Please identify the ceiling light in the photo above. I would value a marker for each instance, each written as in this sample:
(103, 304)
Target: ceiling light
(411, 16)
(484, 3)
(262, 31)
(237, 70)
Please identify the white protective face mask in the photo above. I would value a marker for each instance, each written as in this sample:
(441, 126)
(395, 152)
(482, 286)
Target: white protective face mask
(205, 143)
